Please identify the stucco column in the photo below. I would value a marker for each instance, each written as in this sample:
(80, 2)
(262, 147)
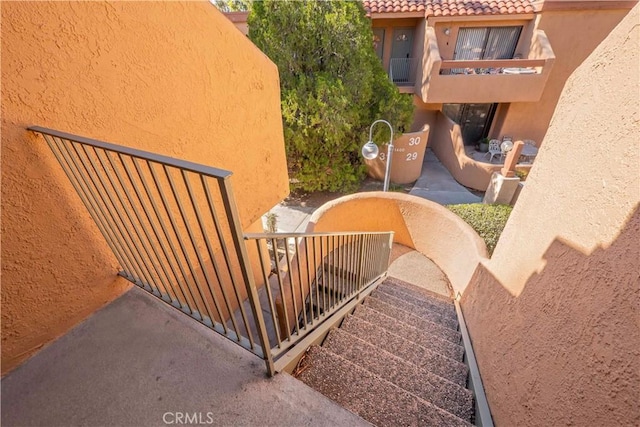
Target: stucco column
(503, 184)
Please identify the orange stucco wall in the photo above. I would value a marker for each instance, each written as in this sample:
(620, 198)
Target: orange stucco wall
(169, 77)
(423, 225)
(448, 146)
(553, 315)
(573, 36)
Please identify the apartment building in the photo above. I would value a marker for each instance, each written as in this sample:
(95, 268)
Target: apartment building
(483, 69)
(486, 68)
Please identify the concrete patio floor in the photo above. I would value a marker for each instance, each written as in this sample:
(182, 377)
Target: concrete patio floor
(139, 362)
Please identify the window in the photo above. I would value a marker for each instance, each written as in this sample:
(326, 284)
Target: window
(378, 41)
(487, 43)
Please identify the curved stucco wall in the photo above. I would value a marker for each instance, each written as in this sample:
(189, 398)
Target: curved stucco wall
(168, 77)
(407, 158)
(425, 226)
(553, 316)
(448, 146)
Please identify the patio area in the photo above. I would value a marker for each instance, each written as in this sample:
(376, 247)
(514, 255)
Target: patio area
(485, 157)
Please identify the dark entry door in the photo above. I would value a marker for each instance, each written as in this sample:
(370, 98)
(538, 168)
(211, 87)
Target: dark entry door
(400, 66)
(475, 121)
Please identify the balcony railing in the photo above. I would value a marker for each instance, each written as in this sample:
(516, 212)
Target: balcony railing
(499, 66)
(485, 81)
(402, 71)
(174, 228)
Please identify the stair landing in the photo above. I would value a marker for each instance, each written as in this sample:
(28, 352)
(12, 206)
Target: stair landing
(139, 362)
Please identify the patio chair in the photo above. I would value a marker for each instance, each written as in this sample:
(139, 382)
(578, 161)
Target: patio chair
(494, 149)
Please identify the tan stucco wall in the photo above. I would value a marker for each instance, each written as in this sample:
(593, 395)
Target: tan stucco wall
(407, 158)
(448, 146)
(168, 77)
(573, 36)
(425, 226)
(554, 314)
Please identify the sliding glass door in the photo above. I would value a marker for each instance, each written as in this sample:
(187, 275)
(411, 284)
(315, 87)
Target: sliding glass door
(474, 119)
(487, 43)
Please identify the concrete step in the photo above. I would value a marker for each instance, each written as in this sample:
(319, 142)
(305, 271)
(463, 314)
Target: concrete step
(419, 382)
(411, 333)
(445, 301)
(411, 352)
(378, 401)
(416, 309)
(411, 319)
(448, 312)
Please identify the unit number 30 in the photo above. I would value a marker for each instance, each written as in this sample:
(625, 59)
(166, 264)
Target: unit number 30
(414, 141)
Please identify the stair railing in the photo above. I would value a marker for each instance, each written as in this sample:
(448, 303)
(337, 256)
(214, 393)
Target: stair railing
(174, 228)
(311, 276)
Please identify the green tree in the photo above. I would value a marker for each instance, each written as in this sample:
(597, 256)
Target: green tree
(333, 87)
(232, 5)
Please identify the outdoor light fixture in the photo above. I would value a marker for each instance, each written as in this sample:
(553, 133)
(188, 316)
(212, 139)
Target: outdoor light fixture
(447, 31)
(370, 151)
(506, 146)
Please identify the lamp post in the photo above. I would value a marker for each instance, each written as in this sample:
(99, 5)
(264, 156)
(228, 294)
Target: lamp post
(370, 151)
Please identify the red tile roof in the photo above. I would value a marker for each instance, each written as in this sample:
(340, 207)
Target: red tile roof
(450, 7)
(383, 6)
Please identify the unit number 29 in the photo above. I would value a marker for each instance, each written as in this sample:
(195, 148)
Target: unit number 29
(411, 156)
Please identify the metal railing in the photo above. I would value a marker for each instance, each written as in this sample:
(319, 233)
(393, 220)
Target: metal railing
(311, 276)
(493, 66)
(402, 71)
(173, 227)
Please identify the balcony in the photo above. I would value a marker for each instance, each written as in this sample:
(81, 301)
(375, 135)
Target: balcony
(485, 81)
(402, 72)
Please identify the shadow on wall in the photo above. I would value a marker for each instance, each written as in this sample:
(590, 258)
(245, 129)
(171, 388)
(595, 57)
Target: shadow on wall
(56, 266)
(567, 348)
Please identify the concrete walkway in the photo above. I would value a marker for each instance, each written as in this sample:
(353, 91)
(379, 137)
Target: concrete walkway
(139, 362)
(413, 267)
(437, 184)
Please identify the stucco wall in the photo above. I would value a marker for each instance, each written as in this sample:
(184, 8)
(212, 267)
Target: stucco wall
(553, 315)
(168, 77)
(420, 224)
(448, 146)
(573, 36)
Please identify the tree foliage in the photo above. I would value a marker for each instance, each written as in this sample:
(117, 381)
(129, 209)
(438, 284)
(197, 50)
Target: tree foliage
(232, 5)
(333, 87)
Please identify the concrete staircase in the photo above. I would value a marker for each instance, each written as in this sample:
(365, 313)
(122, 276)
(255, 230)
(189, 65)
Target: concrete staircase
(396, 361)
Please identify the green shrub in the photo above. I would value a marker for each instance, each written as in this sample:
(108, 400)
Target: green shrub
(487, 220)
(332, 87)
